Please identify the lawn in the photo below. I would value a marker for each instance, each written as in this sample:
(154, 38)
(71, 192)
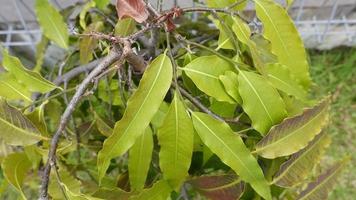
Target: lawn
(334, 72)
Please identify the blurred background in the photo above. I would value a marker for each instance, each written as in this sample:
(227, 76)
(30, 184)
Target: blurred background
(328, 28)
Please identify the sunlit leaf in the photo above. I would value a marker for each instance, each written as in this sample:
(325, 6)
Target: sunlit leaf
(159, 191)
(15, 167)
(52, 23)
(16, 129)
(231, 85)
(141, 107)
(40, 54)
(286, 43)
(101, 3)
(139, 160)
(230, 148)
(32, 80)
(300, 164)
(280, 77)
(11, 89)
(320, 188)
(219, 187)
(260, 101)
(294, 133)
(205, 71)
(54, 188)
(175, 138)
(225, 4)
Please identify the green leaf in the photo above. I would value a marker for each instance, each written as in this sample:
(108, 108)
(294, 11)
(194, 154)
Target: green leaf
(11, 89)
(294, 133)
(54, 188)
(231, 85)
(226, 3)
(16, 129)
(219, 187)
(205, 71)
(125, 27)
(176, 137)
(260, 101)
(286, 42)
(102, 127)
(320, 188)
(289, 3)
(141, 107)
(300, 164)
(52, 23)
(140, 156)
(158, 118)
(88, 44)
(32, 80)
(101, 3)
(281, 78)
(230, 148)
(225, 40)
(159, 191)
(15, 167)
(84, 12)
(40, 53)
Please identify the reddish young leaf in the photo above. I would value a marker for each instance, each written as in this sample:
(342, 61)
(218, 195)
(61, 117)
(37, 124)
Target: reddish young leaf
(135, 9)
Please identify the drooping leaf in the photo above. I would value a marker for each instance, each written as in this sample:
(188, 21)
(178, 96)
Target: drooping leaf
(205, 71)
(260, 101)
(16, 129)
(294, 133)
(135, 9)
(11, 89)
(103, 128)
(84, 12)
(87, 44)
(231, 85)
(32, 80)
(280, 77)
(175, 138)
(320, 188)
(101, 3)
(230, 148)
(15, 167)
(139, 160)
(141, 107)
(54, 188)
(40, 54)
(52, 23)
(286, 42)
(158, 118)
(159, 191)
(219, 187)
(226, 40)
(300, 164)
(37, 118)
(125, 27)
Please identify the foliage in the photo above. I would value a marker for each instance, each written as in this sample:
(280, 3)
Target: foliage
(222, 112)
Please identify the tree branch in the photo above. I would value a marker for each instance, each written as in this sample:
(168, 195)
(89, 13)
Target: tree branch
(113, 56)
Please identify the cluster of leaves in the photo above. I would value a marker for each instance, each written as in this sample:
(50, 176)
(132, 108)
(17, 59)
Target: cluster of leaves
(228, 118)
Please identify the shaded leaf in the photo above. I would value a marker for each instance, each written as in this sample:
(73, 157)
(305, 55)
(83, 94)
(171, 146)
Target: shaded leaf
(320, 188)
(84, 12)
(52, 23)
(15, 167)
(11, 89)
(159, 191)
(88, 44)
(230, 148)
(219, 187)
(279, 76)
(32, 80)
(286, 43)
(294, 133)
(231, 84)
(175, 137)
(260, 101)
(103, 128)
(300, 164)
(135, 9)
(54, 188)
(16, 129)
(140, 156)
(205, 71)
(125, 27)
(112, 193)
(141, 107)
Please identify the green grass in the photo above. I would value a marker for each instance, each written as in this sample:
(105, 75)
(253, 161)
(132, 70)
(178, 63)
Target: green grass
(334, 72)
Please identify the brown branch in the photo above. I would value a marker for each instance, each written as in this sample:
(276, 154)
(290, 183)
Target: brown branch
(51, 162)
